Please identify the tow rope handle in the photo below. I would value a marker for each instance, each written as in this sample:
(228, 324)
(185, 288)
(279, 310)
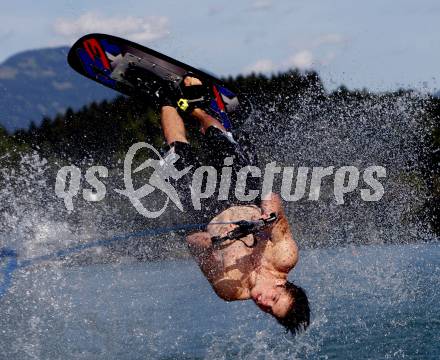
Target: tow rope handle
(245, 228)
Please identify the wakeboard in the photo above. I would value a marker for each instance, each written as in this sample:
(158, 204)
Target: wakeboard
(136, 70)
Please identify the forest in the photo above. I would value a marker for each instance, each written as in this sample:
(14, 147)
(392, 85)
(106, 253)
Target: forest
(102, 132)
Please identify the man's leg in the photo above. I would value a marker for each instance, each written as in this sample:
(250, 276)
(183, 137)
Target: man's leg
(222, 141)
(174, 132)
(221, 144)
(206, 120)
(172, 125)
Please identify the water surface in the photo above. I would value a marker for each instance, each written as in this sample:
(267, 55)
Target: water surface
(372, 302)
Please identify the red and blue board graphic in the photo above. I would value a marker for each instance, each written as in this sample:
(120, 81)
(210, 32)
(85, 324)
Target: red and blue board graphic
(95, 62)
(218, 105)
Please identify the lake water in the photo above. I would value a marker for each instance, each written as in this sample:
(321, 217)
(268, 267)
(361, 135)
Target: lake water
(371, 302)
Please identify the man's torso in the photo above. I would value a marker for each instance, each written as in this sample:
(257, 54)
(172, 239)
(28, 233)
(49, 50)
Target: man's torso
(232, 265)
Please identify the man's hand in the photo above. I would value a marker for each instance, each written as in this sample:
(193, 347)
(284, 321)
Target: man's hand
(271, 203)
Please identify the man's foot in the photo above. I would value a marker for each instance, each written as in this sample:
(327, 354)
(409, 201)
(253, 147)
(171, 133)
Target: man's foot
(166, 96)
(196, 90)
(194, 94)
(190, 80)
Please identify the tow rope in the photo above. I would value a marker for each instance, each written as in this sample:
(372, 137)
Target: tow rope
(11, 263)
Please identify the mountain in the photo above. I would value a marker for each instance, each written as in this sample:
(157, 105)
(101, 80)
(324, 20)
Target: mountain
(38, 83)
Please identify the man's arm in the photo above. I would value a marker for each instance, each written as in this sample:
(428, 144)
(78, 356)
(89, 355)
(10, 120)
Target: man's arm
(199, 243)
(285, 251)
(200, 246)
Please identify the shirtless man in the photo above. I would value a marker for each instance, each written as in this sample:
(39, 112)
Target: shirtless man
(235, 270)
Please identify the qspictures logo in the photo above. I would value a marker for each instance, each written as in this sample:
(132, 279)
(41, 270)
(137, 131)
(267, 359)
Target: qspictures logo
(206, 182)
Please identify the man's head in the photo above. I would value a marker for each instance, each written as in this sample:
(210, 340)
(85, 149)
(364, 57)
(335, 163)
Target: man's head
(287, 302)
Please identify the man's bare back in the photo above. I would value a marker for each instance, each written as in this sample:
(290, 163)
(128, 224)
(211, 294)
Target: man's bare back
(234, 268)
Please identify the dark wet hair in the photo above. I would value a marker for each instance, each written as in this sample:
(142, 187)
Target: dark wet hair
(298, 316)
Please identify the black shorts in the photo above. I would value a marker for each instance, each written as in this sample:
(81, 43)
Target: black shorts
(216, 148)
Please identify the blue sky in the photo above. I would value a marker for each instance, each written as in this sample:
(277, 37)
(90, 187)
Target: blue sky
(378, 44)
